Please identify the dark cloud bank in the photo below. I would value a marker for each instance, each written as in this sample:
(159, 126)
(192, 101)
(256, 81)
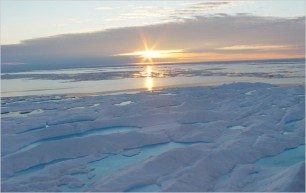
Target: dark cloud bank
(201, 34)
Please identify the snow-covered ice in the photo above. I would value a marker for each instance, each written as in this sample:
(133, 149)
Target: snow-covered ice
(233, 137)
(124, 103)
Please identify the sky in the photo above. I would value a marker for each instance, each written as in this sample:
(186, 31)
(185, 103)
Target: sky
(119, 31)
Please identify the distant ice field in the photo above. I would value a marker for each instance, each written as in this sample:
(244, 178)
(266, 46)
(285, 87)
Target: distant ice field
(126, 79)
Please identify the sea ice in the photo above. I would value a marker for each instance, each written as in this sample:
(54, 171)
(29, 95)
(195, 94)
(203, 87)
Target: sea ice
(124, 103)
(233, 137)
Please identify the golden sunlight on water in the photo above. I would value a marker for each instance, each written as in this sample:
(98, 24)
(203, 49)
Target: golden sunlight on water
(149, 82)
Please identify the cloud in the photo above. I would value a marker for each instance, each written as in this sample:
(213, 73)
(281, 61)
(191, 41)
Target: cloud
(219, 35)
(209, 5)
(194, 9)
(145, 12)
(103, 8)
(256, 47)
(171, 14)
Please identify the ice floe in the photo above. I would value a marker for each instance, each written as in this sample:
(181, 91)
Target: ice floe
(216, 138)
(124, 103)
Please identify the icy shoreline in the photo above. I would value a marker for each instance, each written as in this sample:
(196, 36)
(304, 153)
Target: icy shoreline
(235, 137)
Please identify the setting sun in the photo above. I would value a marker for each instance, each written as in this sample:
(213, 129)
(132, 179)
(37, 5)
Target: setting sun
(149, 55)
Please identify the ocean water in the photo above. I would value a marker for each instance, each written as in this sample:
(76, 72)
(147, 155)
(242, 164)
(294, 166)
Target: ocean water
(153, 77)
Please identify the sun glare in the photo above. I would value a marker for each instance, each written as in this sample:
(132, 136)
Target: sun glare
(148, 54)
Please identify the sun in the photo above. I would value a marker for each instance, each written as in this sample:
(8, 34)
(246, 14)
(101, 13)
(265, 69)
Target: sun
(149, 54)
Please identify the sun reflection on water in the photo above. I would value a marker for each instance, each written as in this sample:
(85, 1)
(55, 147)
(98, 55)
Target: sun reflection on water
(148, 71)
(149, 82)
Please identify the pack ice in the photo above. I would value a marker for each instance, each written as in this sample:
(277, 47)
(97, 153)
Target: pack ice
(234, 137)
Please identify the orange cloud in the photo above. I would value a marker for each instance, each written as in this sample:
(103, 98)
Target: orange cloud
(256, 47)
